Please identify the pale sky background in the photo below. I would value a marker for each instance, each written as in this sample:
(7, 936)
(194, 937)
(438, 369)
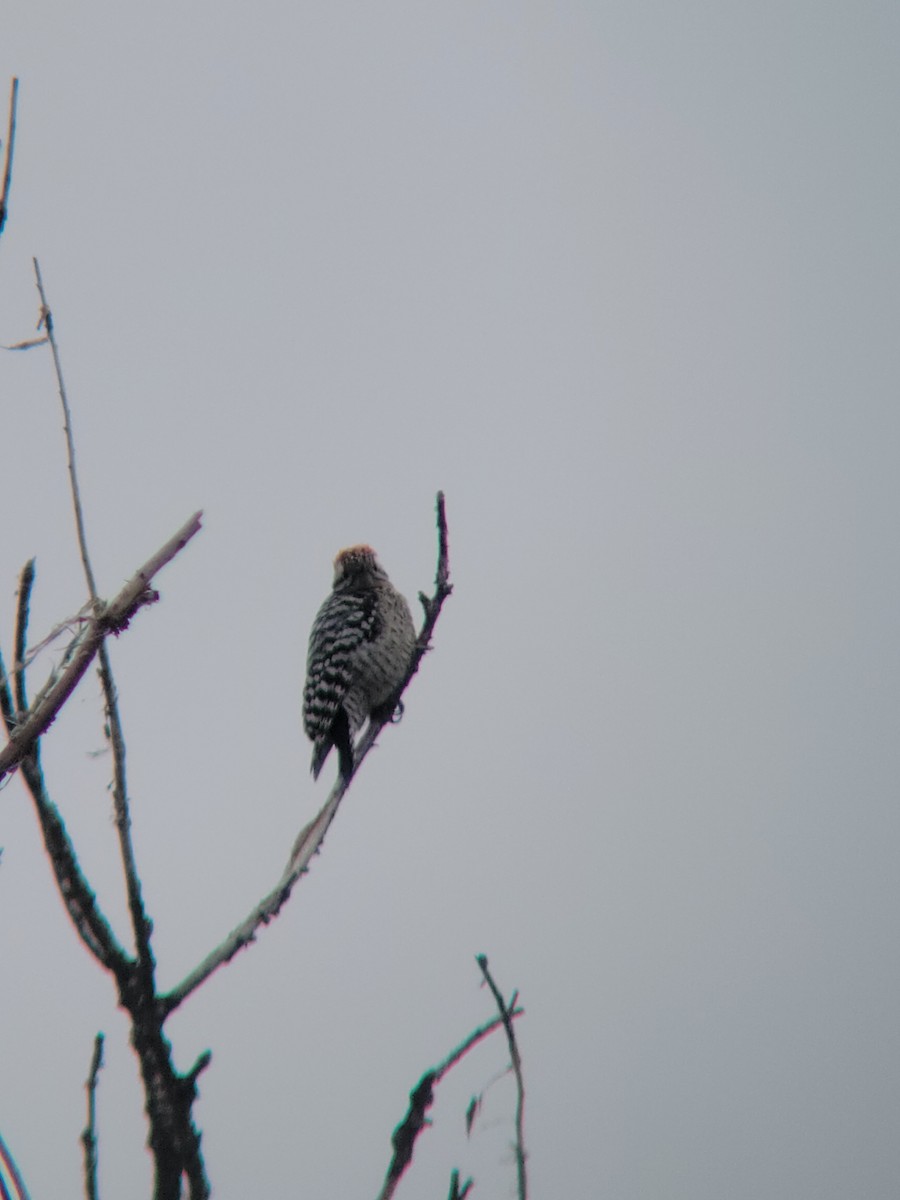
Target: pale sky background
(622, 278)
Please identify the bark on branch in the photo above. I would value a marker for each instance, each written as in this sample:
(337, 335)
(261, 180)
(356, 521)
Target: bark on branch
(10, 147)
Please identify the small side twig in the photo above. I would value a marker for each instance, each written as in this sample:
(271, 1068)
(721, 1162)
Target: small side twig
(421, 1099)
(10, 147)
(47, 321)
(9, 1176)
(89, 1136)
(457, 1192)
(506, 1014)
(431, 606)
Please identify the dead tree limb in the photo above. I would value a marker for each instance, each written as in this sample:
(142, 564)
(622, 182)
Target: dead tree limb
(420, 1100)
(90, 923)
(506, 1015)
(89, 1136)
(173, 1137)
(456, 1192)
(169, 1096)
(139, 921)
(111, 618)
(26, 583)
(11, 1183)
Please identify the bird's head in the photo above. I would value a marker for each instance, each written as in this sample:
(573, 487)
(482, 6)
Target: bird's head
(356, 564)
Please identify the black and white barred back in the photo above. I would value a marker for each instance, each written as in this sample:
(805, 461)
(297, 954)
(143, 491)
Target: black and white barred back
(359, 649)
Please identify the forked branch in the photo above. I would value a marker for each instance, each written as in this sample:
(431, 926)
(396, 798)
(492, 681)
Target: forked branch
(421, 1099)
(139, 920)
(506, 1015)
(25, 726)
(110, 618)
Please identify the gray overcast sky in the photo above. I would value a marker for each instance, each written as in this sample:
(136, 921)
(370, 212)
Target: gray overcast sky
(622, 279)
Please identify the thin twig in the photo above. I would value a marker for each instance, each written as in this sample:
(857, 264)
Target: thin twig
(26, 583)
(47, 321)
(76, 622)
(7, 704)
(140, 922)
(420, 1100)
(457, 1192)
(89, 921)
(308, 842)
(506, 1016)
(431, 606)
(10, 147)
(89, 1136)
(11, 1183)
(113, 618)
(311, 837)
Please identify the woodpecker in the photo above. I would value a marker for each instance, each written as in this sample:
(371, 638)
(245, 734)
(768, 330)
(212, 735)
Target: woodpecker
(359, 649)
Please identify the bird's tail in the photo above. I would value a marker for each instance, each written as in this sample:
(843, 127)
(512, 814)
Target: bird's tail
(339, 735)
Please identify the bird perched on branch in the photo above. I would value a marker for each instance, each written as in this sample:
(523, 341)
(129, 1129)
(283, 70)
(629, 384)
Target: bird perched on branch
(360, 647)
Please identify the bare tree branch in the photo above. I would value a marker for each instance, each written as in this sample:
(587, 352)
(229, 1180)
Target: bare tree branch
(89, 1136)
(420, 1100)
(47, 322)
(170, 1095)
(139, 921)
(311, 837)
(90, 923)
(26, 582)
(506, 1013)
(7, 704)
(457, 1192)
(9, 1175)
(112, 618)
(10, 147)
(81, 904)
(74, 623)
(14, 709)
(305, 847)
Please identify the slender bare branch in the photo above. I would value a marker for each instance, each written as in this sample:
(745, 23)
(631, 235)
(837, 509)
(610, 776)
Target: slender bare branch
(26, 583)
(7, 705)
(10, 147)
(308, 842)
(47, 321)
(113, 618)
(28, 344)
(71, 624)
(457, 1192)
(9, 1175)
(506, 1012)
(420, 1100)
(90, 923)
(311, 837)
(140, 922)
(431, 606)
(89, 1136)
